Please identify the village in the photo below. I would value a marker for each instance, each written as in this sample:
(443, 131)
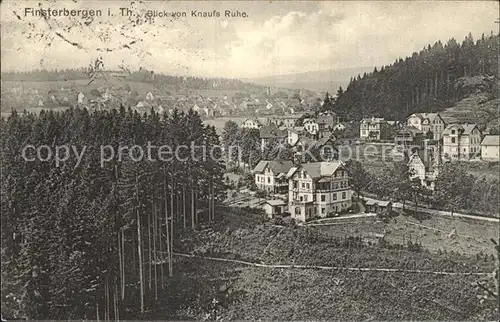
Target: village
(321, 188)
(293, 162)
(314, 183)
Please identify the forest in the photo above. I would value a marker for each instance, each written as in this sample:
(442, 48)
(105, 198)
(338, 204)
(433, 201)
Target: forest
(141, 75)
(428, 81)
(85, 242)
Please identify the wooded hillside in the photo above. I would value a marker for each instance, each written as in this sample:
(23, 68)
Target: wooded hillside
(431, 80)
(82, 241)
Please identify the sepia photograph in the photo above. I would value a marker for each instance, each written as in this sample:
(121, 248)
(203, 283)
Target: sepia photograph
(250, 160)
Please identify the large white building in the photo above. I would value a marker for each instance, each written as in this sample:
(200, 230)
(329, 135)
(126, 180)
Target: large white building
(270, 176)
(461, 141)
(490, 148)
(428, 122)
(251, 124)
(318, 189)
(374, 128)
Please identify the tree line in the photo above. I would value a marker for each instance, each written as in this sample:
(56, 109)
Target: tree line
(455, 189)
(97, 242)
(428, 81)
(141, 75)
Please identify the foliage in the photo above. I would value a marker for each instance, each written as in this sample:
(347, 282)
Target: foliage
(61, 223)
(428, 81)
(359, 178)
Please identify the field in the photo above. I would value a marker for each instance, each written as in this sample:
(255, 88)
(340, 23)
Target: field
(472, 236)
(306, 293)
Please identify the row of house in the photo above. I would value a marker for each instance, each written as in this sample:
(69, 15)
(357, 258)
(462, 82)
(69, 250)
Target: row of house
(315, 189)
(457, 141)
(299, 140)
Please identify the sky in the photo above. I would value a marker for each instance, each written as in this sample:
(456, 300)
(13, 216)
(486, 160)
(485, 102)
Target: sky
(275, 38)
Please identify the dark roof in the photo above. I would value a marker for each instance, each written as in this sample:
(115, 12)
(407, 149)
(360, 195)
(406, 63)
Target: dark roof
(272, 131)
(325, 119)
(318, 169)
(276, 167)
(467, 128)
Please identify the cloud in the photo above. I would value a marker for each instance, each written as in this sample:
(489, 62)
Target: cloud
(276, 38)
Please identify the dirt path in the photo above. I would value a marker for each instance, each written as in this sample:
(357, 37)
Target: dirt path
(331, 268)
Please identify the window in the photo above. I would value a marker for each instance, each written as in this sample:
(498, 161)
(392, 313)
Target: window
(303, 185)
(334, 196)
(268, 180)
(315, 210)
(308, 186)
(301, 198)
(314, 197)
(305, 198)
(297, 210)
(322, 210)
(452, 140)
(452, 131)
(343, 195)
(323, 198)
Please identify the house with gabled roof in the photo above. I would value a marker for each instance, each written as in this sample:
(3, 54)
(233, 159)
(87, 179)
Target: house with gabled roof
(274, 207)
(318, 189)
(269, 133)
(461, 141)
(428, 122)
(408, 136)
(490, 148)
(251, 123)
(308, 149)
(424, 164)
(270, 176)
(374, 128)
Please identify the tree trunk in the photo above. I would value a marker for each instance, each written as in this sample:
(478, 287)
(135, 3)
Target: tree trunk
(184, 214)
(115, 301)
(160, 245)
(97, 311)
(134, 250)
(123, 263)
(155, 254)
(171, 219)
(139, 245)
(150, 271)
(120, 262)
(107, 299)
(193, 225)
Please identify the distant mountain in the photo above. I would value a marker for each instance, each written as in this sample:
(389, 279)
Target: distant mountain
(321, 80)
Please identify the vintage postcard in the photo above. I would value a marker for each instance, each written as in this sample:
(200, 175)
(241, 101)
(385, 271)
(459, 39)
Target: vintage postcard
(249, 160)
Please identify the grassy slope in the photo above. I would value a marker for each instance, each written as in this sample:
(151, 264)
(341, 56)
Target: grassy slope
(292, 294)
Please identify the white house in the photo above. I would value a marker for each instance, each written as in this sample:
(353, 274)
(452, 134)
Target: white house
(292, 137)
(274, 207)
(374, 128)
(270, 176)
(318, 189)
(490, 148)
(424, 165)
(461, 141)
(426, 122)
(251, 124)
(311, 126)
